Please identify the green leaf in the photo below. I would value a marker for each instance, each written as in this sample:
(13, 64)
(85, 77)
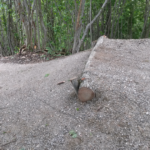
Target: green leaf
(77, 109)
(46, 75)
(73, 133)
(74, 136)
(42, 56)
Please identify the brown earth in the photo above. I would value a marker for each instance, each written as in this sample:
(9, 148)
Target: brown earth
(29, 57)
(38, 114)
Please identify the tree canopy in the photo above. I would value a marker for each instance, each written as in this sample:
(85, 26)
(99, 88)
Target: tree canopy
(59, 26)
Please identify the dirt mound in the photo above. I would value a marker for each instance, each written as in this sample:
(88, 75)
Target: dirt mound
(36, 113)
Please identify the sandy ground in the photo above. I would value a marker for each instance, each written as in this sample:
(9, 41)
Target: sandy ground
(35, 112)
(38, 114)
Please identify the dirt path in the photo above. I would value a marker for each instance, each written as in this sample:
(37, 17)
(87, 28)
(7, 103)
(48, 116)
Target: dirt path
(35, 112)
(38, 114)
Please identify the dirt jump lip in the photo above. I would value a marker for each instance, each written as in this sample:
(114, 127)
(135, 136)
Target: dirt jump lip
(37, 113)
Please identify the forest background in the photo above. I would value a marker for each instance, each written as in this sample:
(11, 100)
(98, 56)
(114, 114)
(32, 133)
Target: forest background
(62, 27)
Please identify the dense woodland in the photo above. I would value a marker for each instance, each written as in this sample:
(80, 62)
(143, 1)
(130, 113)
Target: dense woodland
(62, 27)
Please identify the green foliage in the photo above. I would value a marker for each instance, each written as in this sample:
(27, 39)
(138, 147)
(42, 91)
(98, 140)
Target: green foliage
(50, 51)
(77, 109)
(43, 56)
(73, 134)
(59, 18)
(46, 75)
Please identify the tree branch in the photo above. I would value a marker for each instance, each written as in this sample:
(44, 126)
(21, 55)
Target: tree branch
(88, 25)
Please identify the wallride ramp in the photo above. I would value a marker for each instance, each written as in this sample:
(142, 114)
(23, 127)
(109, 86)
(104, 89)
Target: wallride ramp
(36, 113)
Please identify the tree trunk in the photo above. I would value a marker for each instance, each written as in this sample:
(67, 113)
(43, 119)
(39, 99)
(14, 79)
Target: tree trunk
(78, 27)
(26, 16)
(9, 29)
(146, 15)
(44, 41)
(88, 26)
(91, 20)
(84, 87)
(108, 20)
(1, 51)
(3, 47)
(113, 20)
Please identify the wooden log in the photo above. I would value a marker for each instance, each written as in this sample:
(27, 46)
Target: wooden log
(85, 89)
(84, 93)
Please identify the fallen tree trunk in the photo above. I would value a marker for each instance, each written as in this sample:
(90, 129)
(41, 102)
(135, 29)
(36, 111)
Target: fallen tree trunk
(84, 86)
